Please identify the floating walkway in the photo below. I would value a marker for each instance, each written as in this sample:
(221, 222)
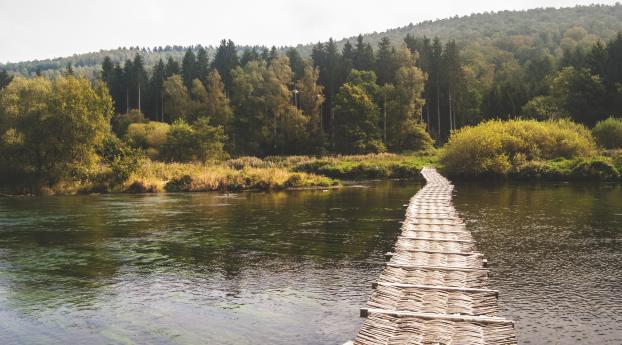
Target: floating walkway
(434, 289)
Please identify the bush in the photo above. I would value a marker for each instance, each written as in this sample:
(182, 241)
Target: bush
(122, 159)
(150, 136)
(598, 168)
(197, 142)
(608, 133)
(121, 122)
(499, 147)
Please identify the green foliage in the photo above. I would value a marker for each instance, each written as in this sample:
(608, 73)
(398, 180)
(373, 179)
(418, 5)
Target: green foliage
(50, 129)
(122, 158)
(608, 133)
(121, 122)
(197, 142)
(356, 122)
(149, 136)
(498, 147)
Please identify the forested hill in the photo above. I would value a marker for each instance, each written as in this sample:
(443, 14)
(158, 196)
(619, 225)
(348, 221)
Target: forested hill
(544, 27)
(485, 34)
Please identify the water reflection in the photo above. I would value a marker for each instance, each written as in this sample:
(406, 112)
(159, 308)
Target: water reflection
(555, 253)
(277, 268)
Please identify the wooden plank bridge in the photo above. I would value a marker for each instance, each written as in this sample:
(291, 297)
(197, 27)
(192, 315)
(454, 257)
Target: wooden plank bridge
(434, 287)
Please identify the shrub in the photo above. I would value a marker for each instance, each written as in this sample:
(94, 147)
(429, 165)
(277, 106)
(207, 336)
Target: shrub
(121, 122)
(595, 168)
(122, 159)
(200, 142)
(608, 133)
(499, 147)
(150, 136)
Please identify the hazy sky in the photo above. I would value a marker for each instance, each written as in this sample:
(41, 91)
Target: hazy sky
(37, 29)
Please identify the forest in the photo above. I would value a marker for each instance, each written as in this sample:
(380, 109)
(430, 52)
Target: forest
(366, 95)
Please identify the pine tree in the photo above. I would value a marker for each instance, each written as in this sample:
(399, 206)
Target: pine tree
(172, 67)
(385, 62)
(363, 55)
(273, 54)
(249, 55)
(296, 63)
(348, 56)
(156, 91)
(225, 61)
(202, 68)
(189, 68)
(107, 70)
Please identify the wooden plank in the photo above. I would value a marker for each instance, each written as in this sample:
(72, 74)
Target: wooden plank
(433, 287)
(436, 252)
(439, 268)
(416, 238)
(432, 316)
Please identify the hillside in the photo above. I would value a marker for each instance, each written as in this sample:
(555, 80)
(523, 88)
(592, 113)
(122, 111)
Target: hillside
(491, 34)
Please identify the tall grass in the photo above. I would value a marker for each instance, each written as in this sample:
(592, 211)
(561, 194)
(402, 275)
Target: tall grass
(197, 177)
(499, 147)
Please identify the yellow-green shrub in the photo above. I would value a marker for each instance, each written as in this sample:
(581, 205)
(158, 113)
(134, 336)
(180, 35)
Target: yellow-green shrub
(495, 147)
(149, 136)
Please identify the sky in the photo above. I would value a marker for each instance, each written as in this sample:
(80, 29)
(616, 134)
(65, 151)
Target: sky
(39, 29)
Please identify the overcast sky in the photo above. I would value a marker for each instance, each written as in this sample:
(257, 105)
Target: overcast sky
(38, 29)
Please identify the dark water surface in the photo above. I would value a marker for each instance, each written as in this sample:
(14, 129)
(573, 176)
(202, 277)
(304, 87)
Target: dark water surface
(555, 252)
(253, 268)
(292, 267)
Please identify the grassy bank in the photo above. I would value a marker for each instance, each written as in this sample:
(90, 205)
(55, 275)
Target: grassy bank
(528, 149)
(372, 166)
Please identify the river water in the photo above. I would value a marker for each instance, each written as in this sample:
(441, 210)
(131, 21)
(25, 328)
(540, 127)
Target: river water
(292, 267)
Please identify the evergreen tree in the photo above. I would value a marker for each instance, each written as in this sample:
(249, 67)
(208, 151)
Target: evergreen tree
(189, 68)
(296, 63)
(156, 91)
(348, 57)
(363, 55)
(202, 67)
(249, 55)
(172, 67)
(225, 61)
(107, 72)
(273, 54)
(385, 62)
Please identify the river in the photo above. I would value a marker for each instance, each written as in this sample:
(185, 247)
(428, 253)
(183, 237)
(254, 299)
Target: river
(292, 267)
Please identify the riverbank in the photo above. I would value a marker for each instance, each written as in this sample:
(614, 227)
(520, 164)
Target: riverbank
(300, 172)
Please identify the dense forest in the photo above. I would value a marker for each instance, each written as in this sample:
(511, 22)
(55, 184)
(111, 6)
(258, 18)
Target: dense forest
(396, 91)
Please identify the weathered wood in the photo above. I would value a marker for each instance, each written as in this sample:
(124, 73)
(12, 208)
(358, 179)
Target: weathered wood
(417, 238)
(434, 286)
(365, 312)
(438, 268)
